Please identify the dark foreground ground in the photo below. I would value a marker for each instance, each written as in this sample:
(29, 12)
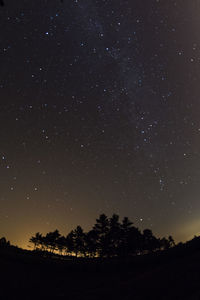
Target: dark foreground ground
(170, 275)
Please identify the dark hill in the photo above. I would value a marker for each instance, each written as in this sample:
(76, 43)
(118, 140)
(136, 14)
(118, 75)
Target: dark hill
(173, 274)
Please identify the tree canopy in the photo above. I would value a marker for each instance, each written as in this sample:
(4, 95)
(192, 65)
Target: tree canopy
(108, 238)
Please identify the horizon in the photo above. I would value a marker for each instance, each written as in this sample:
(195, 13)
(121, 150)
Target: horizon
(25, 244)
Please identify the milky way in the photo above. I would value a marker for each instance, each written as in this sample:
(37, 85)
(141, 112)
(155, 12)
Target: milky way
(99, 112)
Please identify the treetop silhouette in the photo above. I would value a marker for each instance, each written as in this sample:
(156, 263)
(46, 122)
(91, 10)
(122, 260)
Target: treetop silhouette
(107, 238)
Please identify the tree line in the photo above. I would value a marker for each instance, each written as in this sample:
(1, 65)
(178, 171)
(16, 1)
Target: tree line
(108, 238)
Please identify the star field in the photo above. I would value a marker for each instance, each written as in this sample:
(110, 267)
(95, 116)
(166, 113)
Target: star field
(99, 112)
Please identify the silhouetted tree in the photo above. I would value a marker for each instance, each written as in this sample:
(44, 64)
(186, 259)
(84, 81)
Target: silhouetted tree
(171, 241)
(164, 243)
(114, 236)
(91, 242)
(102, 228)
(150, 242)
(37, 241)
(69, 242)
(61, 244)
(167, 243)
(51, 239)
(134, 241)
(79, 241)
(125, 230)
(4, 243)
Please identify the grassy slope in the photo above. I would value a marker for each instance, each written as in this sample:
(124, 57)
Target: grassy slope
(151, 277)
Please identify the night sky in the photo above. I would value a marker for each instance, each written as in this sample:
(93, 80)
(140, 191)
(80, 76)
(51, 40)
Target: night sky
(99, 113)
